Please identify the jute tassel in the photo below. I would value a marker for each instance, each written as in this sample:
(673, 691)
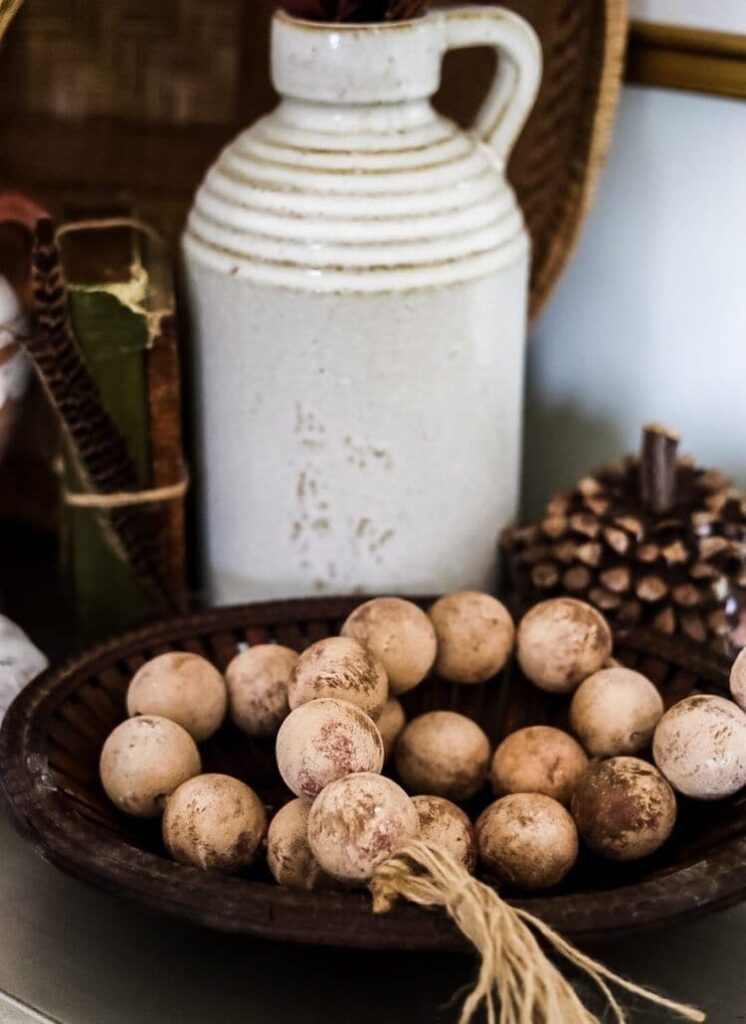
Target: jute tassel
(515, 974)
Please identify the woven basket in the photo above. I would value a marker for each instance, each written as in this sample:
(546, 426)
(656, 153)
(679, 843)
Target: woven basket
(52, 735)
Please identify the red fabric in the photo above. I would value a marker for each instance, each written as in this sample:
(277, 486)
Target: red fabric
(16, 208)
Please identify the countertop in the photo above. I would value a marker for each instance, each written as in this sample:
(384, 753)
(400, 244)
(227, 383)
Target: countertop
(84, 957)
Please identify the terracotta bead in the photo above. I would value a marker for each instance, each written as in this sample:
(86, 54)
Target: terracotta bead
(358, 821)
(538, 759)
(258, 688)
(323, 740)
(561, 642)
(444, 754)
(214, 822)
(624, 808)
(475, 635)
(144, 760)
(341, 668)
(399, 634)
(183, 687)
(700, 746)
(527, 840)
(446, 826)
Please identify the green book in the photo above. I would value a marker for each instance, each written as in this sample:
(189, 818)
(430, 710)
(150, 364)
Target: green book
(119, 296)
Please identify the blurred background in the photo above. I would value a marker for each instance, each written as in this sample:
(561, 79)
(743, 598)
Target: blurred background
(649, 320)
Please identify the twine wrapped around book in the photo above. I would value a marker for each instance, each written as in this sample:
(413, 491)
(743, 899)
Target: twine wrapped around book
(145, 496)
(517, 983)
(124, 499)
(98, 451)
(105, 223)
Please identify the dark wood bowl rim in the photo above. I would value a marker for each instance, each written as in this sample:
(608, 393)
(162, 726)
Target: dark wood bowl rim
(716, 880)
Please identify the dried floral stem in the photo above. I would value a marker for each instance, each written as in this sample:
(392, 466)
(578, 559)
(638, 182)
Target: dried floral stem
(517, 983)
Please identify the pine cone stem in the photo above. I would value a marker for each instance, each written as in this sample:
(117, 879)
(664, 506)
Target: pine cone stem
(658, 468)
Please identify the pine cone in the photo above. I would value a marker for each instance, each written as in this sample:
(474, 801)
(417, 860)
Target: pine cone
(654, 541)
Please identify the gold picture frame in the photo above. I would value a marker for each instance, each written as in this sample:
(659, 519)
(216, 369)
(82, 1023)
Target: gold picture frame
(675, 57)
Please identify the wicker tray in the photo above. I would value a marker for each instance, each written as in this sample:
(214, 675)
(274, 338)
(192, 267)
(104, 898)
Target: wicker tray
(52, 735)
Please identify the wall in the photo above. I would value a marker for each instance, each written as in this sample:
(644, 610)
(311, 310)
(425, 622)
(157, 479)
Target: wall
(718, 15)
(649, 321)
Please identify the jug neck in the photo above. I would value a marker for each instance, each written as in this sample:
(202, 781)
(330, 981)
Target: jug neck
(348, 65)
(350, 119)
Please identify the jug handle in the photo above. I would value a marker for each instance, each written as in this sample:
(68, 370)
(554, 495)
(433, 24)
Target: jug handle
(516, 83)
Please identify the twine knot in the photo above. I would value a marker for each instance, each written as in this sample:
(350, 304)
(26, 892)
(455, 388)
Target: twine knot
(517, 983)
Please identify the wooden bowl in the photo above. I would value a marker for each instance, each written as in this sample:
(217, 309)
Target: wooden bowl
(52, 735)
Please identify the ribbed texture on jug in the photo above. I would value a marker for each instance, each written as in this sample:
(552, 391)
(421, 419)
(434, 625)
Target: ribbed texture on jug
(325, 199)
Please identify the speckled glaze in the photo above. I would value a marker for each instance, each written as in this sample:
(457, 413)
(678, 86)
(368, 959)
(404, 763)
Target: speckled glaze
(390, 723)
(14, 369)
(475, 635)
(357, 274)
(400, 635)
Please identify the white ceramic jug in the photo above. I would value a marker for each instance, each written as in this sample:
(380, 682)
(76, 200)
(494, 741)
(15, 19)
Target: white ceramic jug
(357, 273)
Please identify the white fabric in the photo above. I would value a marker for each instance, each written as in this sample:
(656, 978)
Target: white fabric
(20, 661)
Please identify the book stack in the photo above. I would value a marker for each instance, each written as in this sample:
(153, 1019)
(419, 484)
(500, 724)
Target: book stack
(122, 314)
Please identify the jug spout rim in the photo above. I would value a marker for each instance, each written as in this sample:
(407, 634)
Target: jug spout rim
(357, 63)
(347, 26)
